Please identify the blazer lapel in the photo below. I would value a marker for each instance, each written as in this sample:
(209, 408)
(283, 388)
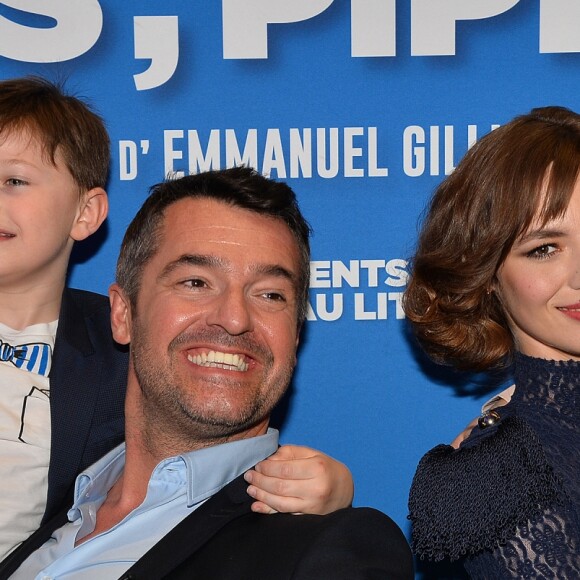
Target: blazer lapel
(193, 532)
(11, 563)
(72, 401)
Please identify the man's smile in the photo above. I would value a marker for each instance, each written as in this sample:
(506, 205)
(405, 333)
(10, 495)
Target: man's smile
(221, 360)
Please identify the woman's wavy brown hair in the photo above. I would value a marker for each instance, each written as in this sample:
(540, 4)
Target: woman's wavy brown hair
(522, 173)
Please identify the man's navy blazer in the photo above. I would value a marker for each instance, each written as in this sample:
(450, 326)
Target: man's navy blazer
(88, 378)
(224, 540)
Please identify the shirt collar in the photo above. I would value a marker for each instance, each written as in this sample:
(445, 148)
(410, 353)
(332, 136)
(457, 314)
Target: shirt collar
(95, 481)
(210, 468)
(205, 471)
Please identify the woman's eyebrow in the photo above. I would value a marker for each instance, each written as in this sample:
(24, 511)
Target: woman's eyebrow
(541, 234)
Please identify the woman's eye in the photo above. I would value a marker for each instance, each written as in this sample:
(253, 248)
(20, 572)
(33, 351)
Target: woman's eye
(543, 251)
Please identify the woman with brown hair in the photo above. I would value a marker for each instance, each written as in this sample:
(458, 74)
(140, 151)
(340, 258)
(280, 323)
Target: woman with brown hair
(496, 283)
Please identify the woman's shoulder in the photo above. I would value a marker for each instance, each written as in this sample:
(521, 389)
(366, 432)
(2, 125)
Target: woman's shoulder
(469, 499)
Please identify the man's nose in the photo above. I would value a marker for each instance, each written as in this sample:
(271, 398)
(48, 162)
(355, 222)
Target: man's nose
(232, 312)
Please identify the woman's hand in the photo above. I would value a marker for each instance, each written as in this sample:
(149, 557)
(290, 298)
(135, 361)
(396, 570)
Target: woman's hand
(299, 480)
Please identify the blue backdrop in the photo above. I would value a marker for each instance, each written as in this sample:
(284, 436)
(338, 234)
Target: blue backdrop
(362, 107)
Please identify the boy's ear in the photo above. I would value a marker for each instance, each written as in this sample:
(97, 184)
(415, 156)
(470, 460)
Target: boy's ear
(92, 212)
(120, 315)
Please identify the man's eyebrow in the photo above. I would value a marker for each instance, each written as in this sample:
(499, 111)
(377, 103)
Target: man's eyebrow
(210, 261)
(275, 271)
(192, 260)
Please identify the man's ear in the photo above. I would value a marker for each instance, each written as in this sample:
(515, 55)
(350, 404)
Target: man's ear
(92, 212)
(120, 315)
(297, 344)
(299, 334)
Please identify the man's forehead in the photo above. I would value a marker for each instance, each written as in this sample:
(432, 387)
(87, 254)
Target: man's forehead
(215, 231)
(210, 218)
(207, 225)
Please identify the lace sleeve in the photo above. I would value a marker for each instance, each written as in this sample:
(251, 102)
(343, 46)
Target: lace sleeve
(545, 547)
(473, 499)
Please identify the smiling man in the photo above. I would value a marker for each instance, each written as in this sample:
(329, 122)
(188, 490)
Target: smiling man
(211, 293)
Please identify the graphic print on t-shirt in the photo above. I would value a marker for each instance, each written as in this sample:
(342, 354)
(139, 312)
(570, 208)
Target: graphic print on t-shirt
(32, 407)
(33, 356)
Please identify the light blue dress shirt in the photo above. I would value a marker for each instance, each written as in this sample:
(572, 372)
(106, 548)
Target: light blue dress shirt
(178, 486)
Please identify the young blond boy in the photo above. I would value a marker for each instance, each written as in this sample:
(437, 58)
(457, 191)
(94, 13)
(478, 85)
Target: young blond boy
(62, 377)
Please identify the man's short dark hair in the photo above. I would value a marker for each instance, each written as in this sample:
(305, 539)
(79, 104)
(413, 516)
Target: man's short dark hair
(239, 187)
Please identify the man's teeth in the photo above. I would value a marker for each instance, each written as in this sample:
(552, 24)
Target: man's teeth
(220, 360)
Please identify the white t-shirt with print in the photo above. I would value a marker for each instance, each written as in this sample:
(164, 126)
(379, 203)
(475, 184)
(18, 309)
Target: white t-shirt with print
(24, 430)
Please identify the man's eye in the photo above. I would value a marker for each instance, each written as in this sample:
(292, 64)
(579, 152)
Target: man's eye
(274, 296)
(194, 283)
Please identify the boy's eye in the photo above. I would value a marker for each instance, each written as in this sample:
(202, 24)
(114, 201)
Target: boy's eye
(14, 181)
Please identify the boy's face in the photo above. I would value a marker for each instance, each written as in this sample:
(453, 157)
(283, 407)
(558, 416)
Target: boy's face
(39, 210)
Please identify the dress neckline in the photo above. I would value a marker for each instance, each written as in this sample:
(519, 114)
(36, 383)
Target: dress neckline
(547, 383)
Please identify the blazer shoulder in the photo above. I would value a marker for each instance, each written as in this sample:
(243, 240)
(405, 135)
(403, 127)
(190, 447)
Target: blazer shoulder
(350, 544)
(85, 326)
(356, 543)
(86, 302)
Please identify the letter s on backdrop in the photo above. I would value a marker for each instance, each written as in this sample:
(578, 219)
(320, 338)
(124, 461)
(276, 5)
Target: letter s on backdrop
(77, 28)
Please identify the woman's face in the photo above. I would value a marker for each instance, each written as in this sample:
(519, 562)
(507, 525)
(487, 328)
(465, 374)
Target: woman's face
(539, 287)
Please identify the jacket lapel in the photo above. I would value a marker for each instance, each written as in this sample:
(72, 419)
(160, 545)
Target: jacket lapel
(193, 532)
(72, 401)
(11, 563)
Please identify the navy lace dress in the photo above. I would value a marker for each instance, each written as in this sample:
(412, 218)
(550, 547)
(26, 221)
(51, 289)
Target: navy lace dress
(507, 501)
